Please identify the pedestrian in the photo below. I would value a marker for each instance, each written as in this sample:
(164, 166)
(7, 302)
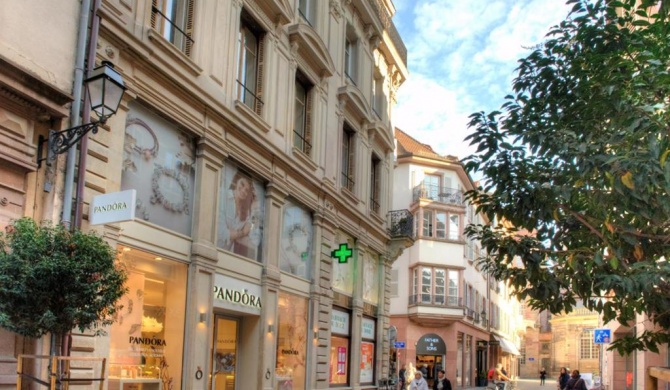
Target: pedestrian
(499, 377)
(401, 377)
(576, 382)
(441, 382)
(424, 371)
(543, 376)
(418, 383)
(563, 378)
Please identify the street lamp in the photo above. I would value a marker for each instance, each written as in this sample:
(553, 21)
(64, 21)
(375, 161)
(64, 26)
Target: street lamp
(105, 89)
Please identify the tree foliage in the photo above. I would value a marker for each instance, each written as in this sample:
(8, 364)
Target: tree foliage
(52, 280)
(575, 170)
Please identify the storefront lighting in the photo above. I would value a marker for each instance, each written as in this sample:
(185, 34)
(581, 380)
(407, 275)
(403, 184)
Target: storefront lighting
(158, 258)
(203, 318)
(271, 328)
(105, 89)
(316, 334)
(126, 249)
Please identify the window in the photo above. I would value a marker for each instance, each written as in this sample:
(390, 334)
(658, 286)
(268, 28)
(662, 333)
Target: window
(587, 348)
(368, 331)
(441, 227)
(292, 333)
(250, 64)
(375, 183)
(431, 184)
(394, 283)
(522, 358)
(440, 224)
(339, 347)
(436, 286)
(454, 230)
(302, 129)
(307, 10)
(378, 96)
(348, 158)
(350, 56)
(427, 223)
(173, 19)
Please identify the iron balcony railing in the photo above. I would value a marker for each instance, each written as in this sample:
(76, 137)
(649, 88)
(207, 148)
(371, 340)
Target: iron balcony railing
(436, 300)
(390, 28)
(400, 223)
(439, 194)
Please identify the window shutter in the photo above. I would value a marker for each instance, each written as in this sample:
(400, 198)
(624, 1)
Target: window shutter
(259, 75)
(308, 121)
(394, 283)
(188, 28)
(352, 160)
(154, 6)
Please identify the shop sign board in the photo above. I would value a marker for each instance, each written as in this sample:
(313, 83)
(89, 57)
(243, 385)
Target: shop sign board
(112, 207)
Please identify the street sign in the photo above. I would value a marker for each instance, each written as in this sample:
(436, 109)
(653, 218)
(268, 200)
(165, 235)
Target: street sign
(531, 359)
(602, 336)
(399, 344)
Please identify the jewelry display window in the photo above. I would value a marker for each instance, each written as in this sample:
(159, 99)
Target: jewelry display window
(292, 339)
(296, 241)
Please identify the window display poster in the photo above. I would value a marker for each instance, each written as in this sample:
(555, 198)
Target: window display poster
(296, 240)
(341, 360)
(367, 362)
(159, 162)
(291, 341)
(241, 213)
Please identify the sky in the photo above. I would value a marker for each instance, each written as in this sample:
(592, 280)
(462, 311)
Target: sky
(461, 59)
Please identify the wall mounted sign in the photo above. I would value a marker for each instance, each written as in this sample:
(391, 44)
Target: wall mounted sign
(114, 207)
(237, 295)
(431, 344)
(342, 254)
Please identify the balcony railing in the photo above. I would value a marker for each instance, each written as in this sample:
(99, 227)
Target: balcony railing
(401, 223)
(389, 26)
(438, 194)
(436, 300)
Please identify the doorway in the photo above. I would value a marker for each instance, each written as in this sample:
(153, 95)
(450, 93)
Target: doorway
(433, 363)
(224, 351)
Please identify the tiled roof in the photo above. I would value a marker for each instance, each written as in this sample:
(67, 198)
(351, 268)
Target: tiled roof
(409, 145)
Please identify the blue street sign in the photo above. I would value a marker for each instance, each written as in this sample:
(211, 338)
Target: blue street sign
(531, 359)
(399, 344)
(602, 336)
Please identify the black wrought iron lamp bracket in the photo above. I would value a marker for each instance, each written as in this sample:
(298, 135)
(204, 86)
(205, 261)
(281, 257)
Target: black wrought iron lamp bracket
(61, 141)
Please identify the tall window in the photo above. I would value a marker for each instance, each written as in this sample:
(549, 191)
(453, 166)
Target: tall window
(375, 183)
(378, 96)
(174, 20)
(427, 223)
(350, 56)
(250, 65)
(453, 288)
(438, 286)
(426, 284)
(307, 10)
(587, 348)
(522, 358)
(339, 347)
(454, 227)
(442, 225)
(302, 139)
(431, 185)
(348, 157)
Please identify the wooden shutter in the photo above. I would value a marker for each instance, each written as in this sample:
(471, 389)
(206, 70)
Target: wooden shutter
(154, 14)
(394, 283)
(188, 27)
(352, 159)
(308, 121)
(259, 74)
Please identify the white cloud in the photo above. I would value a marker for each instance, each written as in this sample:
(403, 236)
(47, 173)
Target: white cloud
(462, 56)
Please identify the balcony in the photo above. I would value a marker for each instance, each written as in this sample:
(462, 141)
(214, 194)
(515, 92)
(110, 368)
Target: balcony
(401, 224)
(435, 310)
(450, 196)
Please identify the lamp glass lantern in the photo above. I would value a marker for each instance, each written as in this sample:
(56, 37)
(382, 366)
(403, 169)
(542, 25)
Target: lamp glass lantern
(105, 90)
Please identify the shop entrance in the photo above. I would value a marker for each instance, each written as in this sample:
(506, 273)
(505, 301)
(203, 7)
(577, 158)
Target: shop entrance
(430, 352)
(224, 361)
(433, 363)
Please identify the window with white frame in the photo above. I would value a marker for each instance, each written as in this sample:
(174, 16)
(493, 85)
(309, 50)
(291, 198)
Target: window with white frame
(302, 120)
(348, 157)
(431, 186)
(173, 19)
(307, 11)
(452, 298)
(440, 224)
(428, 216)
(434, 285)
(250, 63)
(587, 348)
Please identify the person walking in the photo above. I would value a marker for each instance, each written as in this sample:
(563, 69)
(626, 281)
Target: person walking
(563, 378)
(401, 377)
(418, 383)
(441, 382)
(543, 376)
(576, 382)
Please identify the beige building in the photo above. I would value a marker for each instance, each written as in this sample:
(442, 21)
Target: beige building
(257, 136)
(448, 314)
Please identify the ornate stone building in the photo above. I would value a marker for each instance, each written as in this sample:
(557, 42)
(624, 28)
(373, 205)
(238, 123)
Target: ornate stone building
(257, 136)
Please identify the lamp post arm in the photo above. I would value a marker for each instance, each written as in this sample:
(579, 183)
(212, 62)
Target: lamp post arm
(61, 141)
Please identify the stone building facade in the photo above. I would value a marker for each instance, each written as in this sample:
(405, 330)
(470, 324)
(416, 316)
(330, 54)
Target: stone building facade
(257, 136)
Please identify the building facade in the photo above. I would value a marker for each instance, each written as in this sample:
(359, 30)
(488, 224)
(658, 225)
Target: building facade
(448, 314)
(257, 137)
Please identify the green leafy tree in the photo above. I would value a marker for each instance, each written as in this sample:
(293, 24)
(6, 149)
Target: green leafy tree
(53, 280)
(575, 169)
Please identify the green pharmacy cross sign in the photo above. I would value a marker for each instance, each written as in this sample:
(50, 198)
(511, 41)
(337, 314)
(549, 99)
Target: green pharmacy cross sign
(342, 254)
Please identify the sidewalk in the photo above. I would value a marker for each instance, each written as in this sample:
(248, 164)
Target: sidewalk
(522, 384)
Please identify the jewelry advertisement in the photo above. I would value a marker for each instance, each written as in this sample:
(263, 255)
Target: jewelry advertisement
(159, 162)
(241, 213)
(296, 241)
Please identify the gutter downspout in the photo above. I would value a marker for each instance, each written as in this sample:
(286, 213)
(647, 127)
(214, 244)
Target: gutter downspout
(86, 117)
(75, 109)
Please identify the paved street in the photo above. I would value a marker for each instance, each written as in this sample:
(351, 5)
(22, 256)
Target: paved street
(526, 384)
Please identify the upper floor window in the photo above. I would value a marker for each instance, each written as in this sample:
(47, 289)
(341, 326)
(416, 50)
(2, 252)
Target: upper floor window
(250, 63)
(378, 98)
(350, 56)
(438, 286)
(173, 19)
(348, 136)
(302, 127)
(375, 183)
(307, 10)
(587, 348)
(431, 186)
(440, 224)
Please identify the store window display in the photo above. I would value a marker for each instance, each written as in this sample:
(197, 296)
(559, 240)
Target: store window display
(146, 341)
(339, 348)
(296, 241)
(291, 342)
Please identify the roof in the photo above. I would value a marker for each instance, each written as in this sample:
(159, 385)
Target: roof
(409, 145)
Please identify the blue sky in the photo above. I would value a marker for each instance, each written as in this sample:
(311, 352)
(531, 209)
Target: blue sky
(461, 59)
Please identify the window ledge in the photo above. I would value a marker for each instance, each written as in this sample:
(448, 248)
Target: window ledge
(171, 50)
(378, 218)
(249, 114)
(349, 195)
(304, 159)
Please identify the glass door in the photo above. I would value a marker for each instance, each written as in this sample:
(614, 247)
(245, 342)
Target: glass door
(224, 360)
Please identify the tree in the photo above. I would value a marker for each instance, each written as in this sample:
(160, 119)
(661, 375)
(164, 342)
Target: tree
(576, 173)
(52, 280)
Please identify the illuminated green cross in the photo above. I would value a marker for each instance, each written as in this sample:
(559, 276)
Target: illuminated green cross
(343, 254)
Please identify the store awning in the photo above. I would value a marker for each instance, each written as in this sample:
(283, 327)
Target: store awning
(507, 346)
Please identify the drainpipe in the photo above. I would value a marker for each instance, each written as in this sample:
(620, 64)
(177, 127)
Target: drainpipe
(86, 116)
(75, 109)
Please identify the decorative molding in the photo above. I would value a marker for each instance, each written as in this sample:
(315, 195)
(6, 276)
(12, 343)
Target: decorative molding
(336, 9)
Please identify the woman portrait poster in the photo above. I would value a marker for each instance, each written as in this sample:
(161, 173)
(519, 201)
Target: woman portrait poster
(241, 213)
